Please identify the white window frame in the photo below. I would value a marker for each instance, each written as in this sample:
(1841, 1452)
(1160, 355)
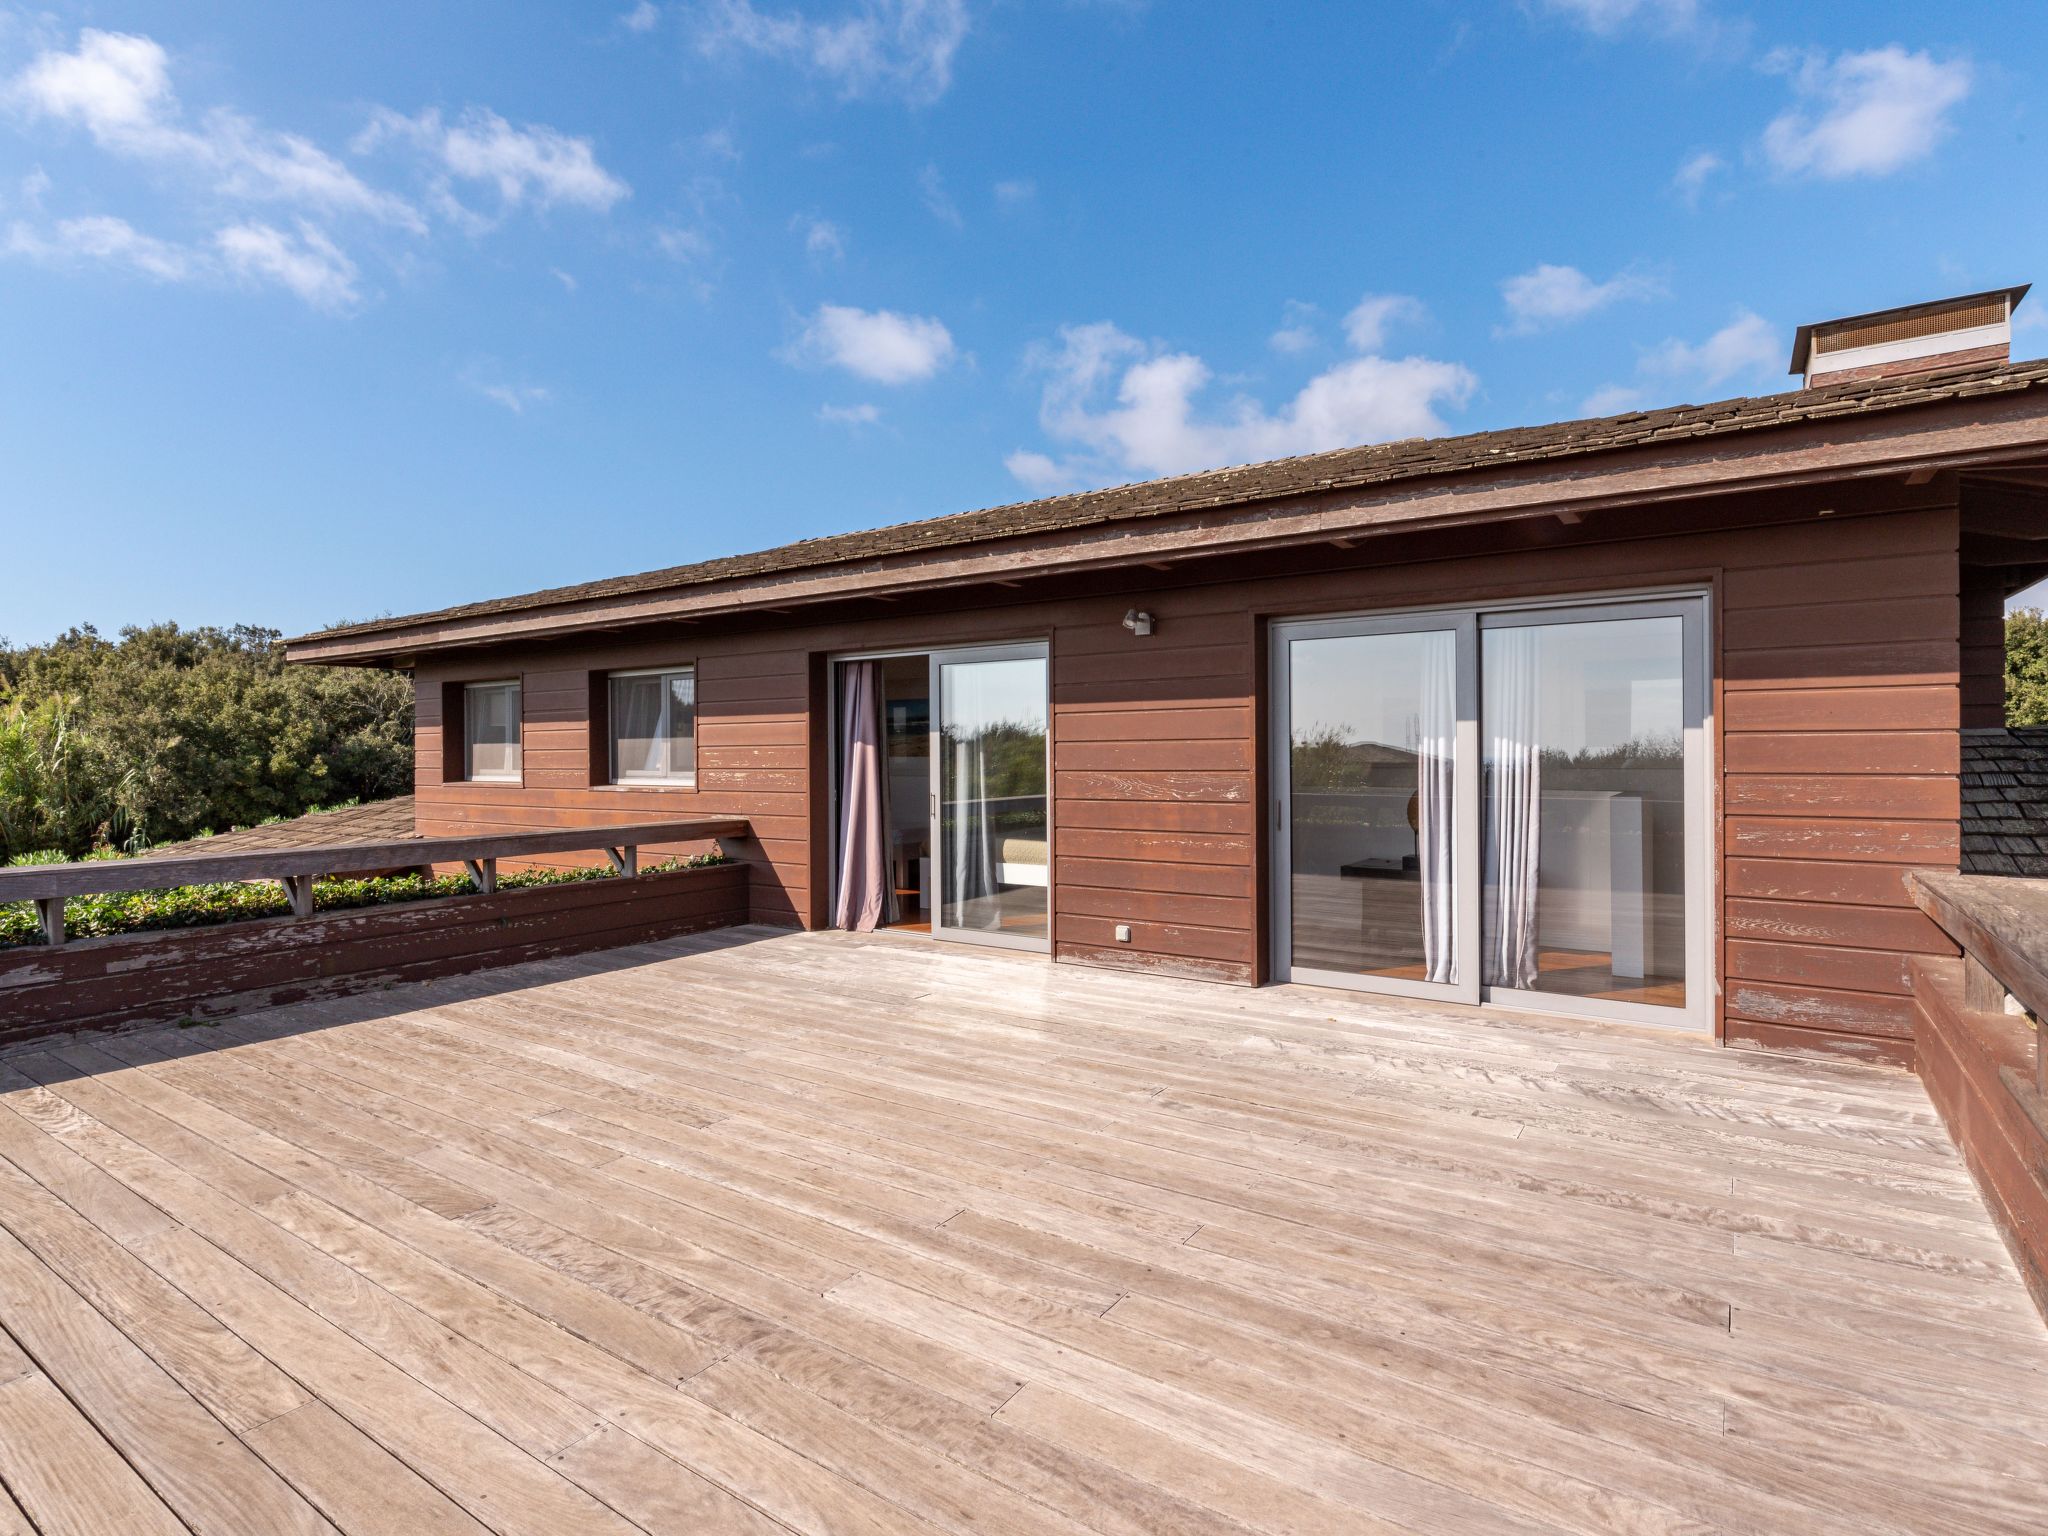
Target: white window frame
(469, 716)
(670, 779)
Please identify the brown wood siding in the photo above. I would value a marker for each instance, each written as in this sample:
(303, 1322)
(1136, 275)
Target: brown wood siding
(1152, 768)
(1983, 646)
(1836, 659)
(1839, 757)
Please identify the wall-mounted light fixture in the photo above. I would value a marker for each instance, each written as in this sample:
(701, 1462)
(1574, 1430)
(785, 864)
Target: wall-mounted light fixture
(1138, 623)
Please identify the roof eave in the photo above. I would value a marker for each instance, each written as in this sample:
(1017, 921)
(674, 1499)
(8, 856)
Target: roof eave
(1949, 434)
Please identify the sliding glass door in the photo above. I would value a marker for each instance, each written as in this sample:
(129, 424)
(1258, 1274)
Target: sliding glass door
(1377, 735)
(994, 843)
(1503, 805)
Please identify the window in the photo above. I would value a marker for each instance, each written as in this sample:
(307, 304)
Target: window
(654, 727)
(490, 722)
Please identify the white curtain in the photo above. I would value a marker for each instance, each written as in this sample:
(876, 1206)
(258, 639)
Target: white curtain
(1513, 804)
(971, 856)
(636, 726)
(866, 898)
(1435, 761)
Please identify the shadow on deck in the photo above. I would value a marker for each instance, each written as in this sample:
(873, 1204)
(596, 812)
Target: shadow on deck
(757, 1231)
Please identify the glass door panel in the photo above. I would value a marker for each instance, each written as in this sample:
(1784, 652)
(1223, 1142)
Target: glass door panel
(1374, 826)
(995, 865)
(1507, 805)
(1586, 725)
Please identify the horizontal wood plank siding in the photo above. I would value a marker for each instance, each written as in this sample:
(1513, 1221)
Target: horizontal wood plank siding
(753, 749)
(1154, 790)
(1837, 657)
(1839, 766)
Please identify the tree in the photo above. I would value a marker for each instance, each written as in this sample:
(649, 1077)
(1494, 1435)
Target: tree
(168, 732)
(2026, 667)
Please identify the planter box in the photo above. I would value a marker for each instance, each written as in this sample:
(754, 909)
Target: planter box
(204, 973)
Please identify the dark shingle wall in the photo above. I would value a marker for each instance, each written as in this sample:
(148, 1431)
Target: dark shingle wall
(2005, 801)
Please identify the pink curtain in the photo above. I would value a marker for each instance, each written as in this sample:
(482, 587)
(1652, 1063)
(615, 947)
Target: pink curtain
(866, 898)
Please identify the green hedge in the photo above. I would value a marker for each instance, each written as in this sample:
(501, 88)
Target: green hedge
(197, 906)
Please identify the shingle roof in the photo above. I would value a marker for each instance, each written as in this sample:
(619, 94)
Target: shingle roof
(1341, 469)
(2005, 801)
(381, 821)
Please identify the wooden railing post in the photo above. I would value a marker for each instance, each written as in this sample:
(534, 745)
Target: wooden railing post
(483, 874)
(50, 913)
(299, 889)
(625, 861)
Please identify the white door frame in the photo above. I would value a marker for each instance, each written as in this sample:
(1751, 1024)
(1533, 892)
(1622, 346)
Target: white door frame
(936, 655)
(1691, 607)
(1032, 650)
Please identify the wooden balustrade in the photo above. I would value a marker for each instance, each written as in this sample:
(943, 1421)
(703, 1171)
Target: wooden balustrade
(1985, 1059)
(49, 885)
(2002, 926)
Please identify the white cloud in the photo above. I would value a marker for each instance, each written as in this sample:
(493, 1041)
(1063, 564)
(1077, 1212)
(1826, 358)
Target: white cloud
(693, 252)
(34, 187)
(104, 239)
(683, 245)
(880, 345)
(1748, 349)
(566, 279)
(931, 186)
(306, 263)
(1746, 345)
(1692, 177)
(119, 90)
(863, 415)
(1297, 332)
(1547, 296)
(1012, 195)
(1612, 400)
(899, 48)
(536, 163)
(302, 261)
(644, 17)
(514, 397)
(117, 87)
(1040, 472)
(1607, 17)
(823, 240)
(1367, 325)
(1127, 408)
(1863, 114)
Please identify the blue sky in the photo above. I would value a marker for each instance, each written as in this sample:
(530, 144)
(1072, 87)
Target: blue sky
(312, 314)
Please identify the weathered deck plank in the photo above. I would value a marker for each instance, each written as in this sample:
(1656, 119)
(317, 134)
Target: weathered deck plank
(829, 1234)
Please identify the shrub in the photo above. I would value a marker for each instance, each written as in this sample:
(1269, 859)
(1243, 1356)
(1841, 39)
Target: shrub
(2026, 667)
(196, 906)
(166, 731)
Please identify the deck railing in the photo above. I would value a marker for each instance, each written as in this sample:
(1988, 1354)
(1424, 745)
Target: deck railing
(2001, 924)
(49, 885)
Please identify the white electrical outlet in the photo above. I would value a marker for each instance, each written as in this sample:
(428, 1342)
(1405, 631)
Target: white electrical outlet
(1123, 933)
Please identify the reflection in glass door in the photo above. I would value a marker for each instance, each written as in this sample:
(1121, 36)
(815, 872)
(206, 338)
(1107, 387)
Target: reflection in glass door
(1585, 730)
(1505, 806)
(994, 833)
(1371, 804)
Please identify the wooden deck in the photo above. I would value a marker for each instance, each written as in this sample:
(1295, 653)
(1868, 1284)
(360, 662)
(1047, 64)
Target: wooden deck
(838, 1235)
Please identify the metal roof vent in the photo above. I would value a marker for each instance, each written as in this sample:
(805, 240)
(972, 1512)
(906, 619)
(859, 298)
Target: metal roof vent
(1942, 333)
